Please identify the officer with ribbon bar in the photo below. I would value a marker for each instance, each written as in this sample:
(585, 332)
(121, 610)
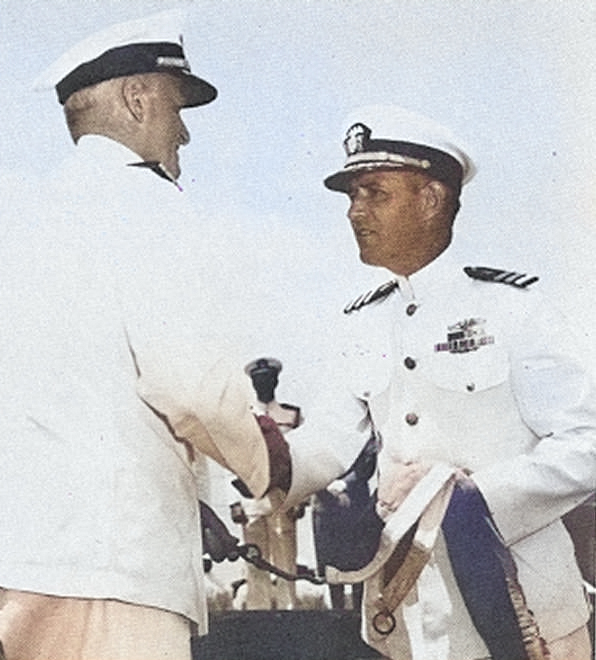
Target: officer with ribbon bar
(485, 419)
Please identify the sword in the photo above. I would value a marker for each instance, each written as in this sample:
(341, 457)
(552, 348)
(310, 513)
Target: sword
(252, 554)
(220, 545)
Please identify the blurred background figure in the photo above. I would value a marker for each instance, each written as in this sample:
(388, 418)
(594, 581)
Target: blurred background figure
(273, 531)
(336, 514)
(219, 595)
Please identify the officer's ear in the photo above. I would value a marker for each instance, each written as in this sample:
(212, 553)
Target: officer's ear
(433, 197)
(134, 93)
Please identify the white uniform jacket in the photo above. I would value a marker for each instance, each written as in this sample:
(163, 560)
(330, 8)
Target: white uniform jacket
(109, 281)
(482, 376)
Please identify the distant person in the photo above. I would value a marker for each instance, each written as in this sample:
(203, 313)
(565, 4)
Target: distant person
(273, 531)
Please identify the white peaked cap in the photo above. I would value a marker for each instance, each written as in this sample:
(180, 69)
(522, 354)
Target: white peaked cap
(390, 136)
(94, 59)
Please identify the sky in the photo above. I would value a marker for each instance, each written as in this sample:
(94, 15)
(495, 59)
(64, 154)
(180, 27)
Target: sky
(516, 79)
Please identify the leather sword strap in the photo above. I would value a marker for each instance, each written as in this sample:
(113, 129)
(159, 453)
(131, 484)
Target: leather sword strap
(400, 575)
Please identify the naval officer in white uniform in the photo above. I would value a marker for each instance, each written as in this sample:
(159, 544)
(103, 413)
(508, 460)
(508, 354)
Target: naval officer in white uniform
(113, 327)
(455, 364)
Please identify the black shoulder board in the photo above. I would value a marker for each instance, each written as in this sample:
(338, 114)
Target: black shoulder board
(297, 415)
(371, 296)
(289, 406)
(519, 280)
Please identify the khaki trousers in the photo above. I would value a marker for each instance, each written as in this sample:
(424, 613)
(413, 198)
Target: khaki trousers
(39, 627)
(275, 535)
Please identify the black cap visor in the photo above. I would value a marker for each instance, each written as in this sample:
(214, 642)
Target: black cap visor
(196, 90)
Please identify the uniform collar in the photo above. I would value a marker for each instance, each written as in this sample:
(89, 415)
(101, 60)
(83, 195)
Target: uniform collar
(431, 280)
(434, 280)
(105, 150)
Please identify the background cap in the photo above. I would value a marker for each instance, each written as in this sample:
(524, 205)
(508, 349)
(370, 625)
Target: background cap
(262, 365)
(147, 45)
(390, 136)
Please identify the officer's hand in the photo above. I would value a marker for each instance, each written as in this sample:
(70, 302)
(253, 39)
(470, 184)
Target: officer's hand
(336, 487)
(396, 482)
(464, 480)
(343, 499)
(218, 543)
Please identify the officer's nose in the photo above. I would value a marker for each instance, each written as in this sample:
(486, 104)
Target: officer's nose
(357, 207)
(184, 134)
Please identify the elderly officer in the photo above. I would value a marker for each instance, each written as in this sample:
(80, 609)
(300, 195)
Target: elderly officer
(111, 377)
(460, 370)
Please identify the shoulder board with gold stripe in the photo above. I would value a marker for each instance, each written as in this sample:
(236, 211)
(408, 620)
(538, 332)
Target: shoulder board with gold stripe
(371, 296)
(519, 280)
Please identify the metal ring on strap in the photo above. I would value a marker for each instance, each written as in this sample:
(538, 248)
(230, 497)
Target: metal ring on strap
(384, 622)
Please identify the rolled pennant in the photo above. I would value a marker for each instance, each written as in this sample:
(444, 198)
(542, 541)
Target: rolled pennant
(213, 415)
(425, 505)
(486, 575)
(405, 545)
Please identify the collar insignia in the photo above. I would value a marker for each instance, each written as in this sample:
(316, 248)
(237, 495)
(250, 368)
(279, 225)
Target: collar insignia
(465, 336)
(371, 296)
